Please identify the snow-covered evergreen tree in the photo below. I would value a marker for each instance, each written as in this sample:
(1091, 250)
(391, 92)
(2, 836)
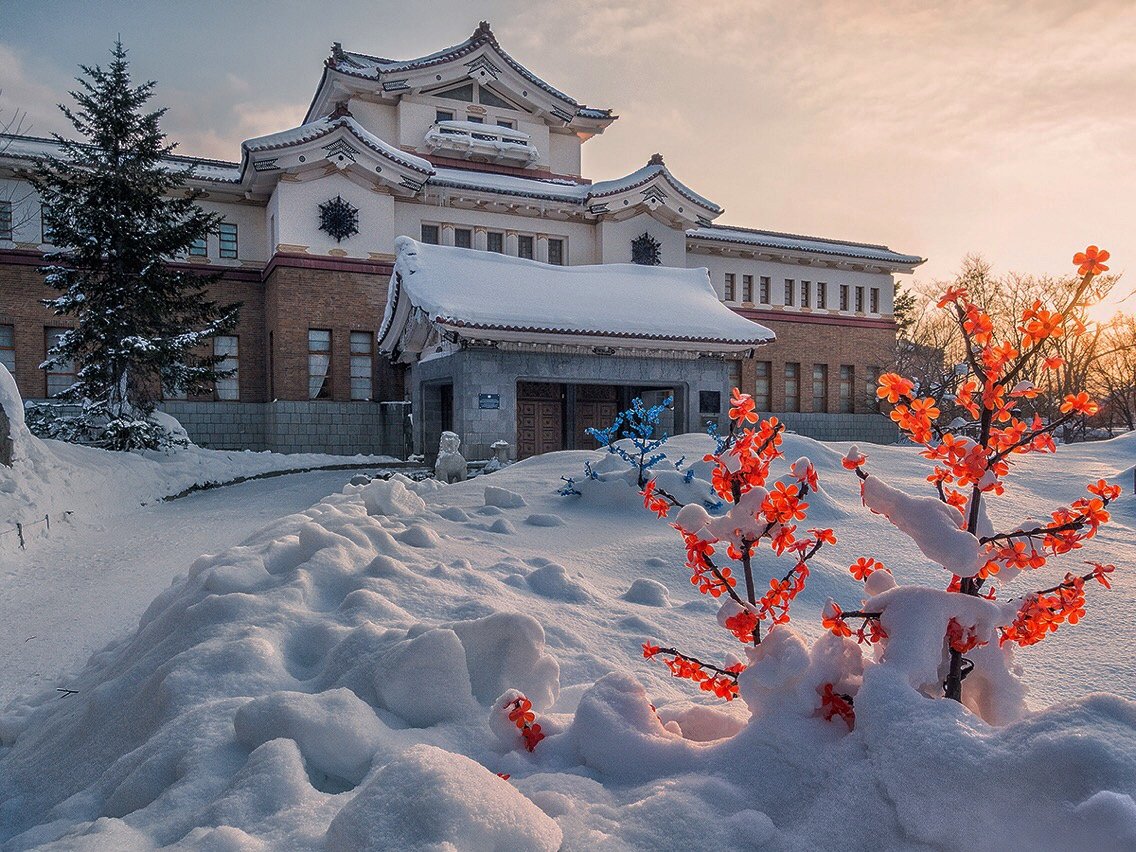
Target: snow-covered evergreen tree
(116, 213)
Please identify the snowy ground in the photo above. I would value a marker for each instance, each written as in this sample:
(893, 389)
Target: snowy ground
(328, 685)
(89, 582)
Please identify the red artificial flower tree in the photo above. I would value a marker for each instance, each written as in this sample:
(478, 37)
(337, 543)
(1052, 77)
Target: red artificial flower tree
(969, 470)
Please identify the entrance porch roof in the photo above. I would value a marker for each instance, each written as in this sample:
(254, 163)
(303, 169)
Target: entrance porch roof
(441, 292)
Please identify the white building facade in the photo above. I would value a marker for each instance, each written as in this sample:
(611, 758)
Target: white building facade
(466, 148)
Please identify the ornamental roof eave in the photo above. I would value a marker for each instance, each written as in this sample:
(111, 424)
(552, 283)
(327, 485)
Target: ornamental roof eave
(783, 243)
(29, 149)
(615, 339)
(652, 186)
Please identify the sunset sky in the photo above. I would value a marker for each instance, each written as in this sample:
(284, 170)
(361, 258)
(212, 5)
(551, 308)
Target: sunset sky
(1006, 129)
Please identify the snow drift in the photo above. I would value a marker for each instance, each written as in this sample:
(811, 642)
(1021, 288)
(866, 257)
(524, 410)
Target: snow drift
(329, 683)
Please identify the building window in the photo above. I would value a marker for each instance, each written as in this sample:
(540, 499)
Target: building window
(475, 119)
(747, 288)
(859, 300)
(62, 375)
(319, 363)
(463, 238)
(762, 398)
(729, 295)
(822, 295)
(847, 382)
(506, 122)
(820, 388)
(843, 297)
(875, 296)
(764, 293)
(227, 348)
(362, 364)
(709, 402)
(459, 93)
(790, 290)
(199, 248)
(870, 388)
(45, 235)
(8, 347)
(806, 293)
(556, 252)
(5, 220)
(525, 247)
(227, 235)
(443, 115)
(495, 241)
(430, 234)
(792, 387)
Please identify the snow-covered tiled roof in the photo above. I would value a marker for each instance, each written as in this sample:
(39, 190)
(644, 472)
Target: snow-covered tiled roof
(550, 189)
(799, 243)
(323, 126)
(376, 67)
(36, 147)
(479, 293)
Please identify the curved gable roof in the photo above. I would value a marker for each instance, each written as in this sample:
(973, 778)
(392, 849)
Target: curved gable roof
(377, 68)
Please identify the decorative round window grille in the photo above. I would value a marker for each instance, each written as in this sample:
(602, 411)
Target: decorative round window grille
(339, 218)
(645, 250)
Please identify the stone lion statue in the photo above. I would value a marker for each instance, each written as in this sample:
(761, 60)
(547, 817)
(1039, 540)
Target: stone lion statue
(451, 465)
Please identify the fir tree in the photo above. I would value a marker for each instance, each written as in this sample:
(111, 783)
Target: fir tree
(117, 211)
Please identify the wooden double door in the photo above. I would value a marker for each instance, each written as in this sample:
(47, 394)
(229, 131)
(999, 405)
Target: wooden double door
(540, 418)
(552, 416)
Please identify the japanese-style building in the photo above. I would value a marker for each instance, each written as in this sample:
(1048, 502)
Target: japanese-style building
(425, 241)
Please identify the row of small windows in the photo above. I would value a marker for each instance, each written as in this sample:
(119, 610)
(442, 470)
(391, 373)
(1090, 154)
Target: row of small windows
(846, 392)
(361, 356)
(809, 294)
(226, 243)
(59, 377)
(361, 365)
(495, 242)
(450, 115)
(226, 234)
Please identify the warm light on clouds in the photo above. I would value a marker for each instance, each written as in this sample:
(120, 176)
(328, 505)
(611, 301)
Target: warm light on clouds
(939, 129)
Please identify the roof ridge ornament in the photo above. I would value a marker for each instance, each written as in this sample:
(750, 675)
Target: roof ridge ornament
(341, 111)
(483, 31)
(656, 160)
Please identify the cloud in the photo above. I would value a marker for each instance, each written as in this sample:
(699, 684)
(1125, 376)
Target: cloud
(27, 100)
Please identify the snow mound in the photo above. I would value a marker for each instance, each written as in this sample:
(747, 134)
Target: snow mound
(424, 680)
(618, 734)
(391, 497)
(503, 498)
(553, 581)
(647, 592)
(540, 519)
(433, 799)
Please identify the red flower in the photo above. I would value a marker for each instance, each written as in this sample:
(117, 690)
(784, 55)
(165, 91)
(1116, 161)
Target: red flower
(742, 408)
(1091, 261)
(1081, 403)
(863, 567)
(833, 704)
(893, 386)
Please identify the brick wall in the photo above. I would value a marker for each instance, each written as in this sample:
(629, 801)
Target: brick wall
(299, 295)
(806, 342)
(21, 289)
